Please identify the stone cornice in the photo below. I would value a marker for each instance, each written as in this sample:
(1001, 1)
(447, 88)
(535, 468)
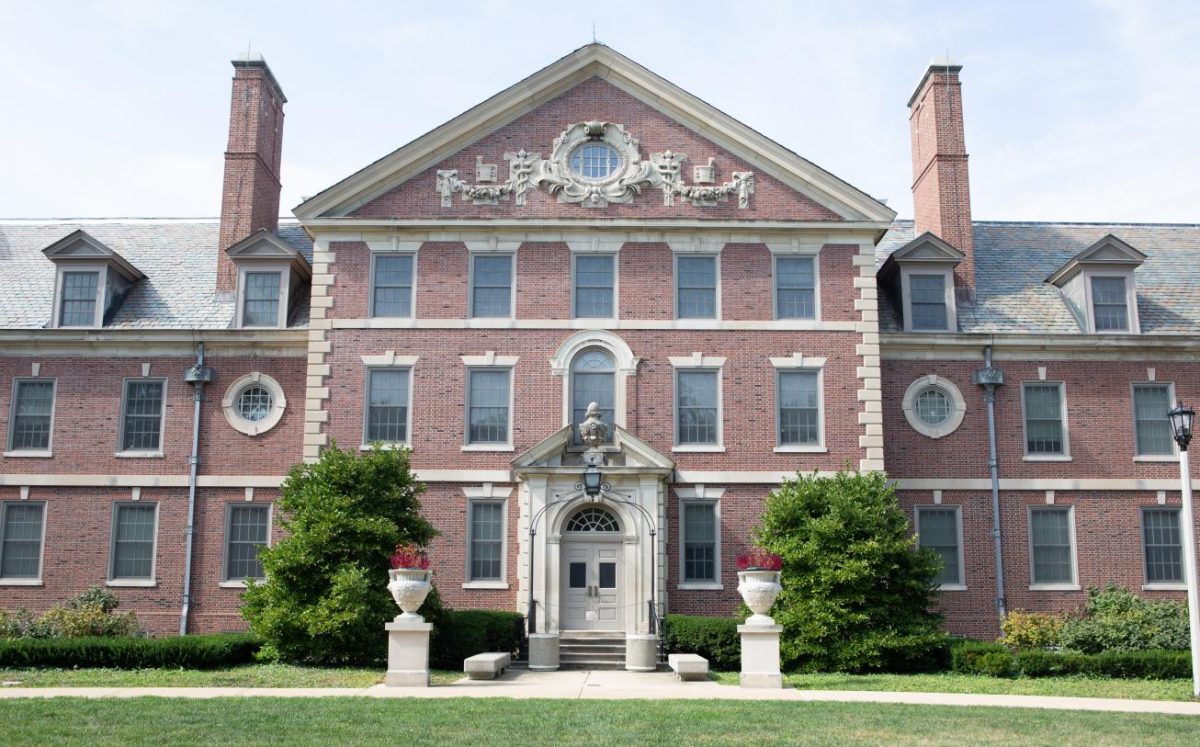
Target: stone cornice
(969, 346)
(287, 343)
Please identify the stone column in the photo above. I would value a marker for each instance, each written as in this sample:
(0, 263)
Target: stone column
(408, 654)
(760, 656)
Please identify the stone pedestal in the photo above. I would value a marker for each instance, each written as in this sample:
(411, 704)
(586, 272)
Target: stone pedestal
(760, 655)
(641, 652)
(408, 653)
(543, 652)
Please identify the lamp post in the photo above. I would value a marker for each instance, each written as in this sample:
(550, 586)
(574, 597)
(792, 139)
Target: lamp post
(1182, 419)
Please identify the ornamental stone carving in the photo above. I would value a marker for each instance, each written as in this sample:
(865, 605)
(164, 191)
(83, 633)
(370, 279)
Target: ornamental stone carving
(592, 431)
(595, 164)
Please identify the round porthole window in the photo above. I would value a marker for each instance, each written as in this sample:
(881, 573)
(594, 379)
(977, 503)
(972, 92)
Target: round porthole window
(933, 406)
(254, 404)
(595, 161)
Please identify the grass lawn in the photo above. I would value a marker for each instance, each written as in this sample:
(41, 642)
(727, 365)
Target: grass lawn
(1084, 687)
(359, 721)
(251, 675)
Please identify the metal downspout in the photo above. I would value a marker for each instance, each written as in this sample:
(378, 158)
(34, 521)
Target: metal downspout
(990, 377)
(197, 375)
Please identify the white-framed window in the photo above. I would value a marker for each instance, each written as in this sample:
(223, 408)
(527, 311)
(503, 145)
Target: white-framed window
(254, 403)
(31, 421)
(697, 284)
(934, 406)
(594, 161)
(798, 415)
(79, 299)
(22, 538)
(1052, 548)
(134, 540)
(796, 287)
(939, 528)
(595, 295)
(698, 408)
(927, 301)
(1045, 415)
(489, 407)
(388, 413)
(1152, 436)
(492, 286)
(261, 296)
(700, 541)
(1110, 303)
(247, 531)
(593, 379)
(485, 541)
(393, 279)
(143, 412)
(1162, 547)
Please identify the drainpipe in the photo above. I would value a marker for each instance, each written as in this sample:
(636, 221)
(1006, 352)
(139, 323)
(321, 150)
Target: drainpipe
(197, 375)
(989, 377)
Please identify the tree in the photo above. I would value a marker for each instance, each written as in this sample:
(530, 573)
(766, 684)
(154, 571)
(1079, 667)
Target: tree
(857, 591)
(325, 598)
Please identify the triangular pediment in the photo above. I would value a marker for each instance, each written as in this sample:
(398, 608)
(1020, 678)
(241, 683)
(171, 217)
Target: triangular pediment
(1107, 252)
(80, 246)
(738, 145)
(928, 248)
(627, 453)
(266, 246)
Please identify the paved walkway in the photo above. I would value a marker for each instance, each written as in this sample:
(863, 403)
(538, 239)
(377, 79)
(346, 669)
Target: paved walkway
(613, 686)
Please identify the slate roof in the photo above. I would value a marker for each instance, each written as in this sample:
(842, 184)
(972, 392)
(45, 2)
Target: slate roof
(1013, 260)
(178, 257)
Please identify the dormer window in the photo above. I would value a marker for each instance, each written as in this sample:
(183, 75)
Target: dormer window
(271, 275)
(91, 281)
(1098, 286)
(920, 277)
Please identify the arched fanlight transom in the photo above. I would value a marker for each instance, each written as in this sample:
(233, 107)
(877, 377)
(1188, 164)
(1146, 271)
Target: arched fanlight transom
(593, 519)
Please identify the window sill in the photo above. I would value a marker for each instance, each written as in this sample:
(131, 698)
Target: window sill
(1166, 458)
(700, 587)
(139, 455)
(815, 449)
(393, 446)
(232, 584)
(489, 447)
(1055, 587)
(31, 454)
(20, 582)
(145, 583)
(952, 587)
(698, 449)
(1052, 458)
(485, 585)
(1153, 587)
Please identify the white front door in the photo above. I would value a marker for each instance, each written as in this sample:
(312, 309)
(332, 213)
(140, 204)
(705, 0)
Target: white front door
(591, 586)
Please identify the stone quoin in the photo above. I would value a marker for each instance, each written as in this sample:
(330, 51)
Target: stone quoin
(592, 234)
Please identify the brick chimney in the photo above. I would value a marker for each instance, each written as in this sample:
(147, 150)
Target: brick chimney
(250, 195)
(941, 186)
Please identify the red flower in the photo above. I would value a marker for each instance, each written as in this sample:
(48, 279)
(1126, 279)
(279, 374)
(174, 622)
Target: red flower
(410, 556)
(759, 560)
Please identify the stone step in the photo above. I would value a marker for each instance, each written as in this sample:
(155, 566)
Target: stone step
(573, 646)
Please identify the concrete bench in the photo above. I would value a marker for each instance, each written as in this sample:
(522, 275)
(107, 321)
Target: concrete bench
(688, 666)
(486, 666)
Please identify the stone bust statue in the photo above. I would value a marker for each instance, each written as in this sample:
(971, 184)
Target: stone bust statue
(592, 431)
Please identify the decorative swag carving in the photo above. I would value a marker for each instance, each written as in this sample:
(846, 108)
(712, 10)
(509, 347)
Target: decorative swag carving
(621, 184)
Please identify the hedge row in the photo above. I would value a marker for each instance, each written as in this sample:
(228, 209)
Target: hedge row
(188, 652)
(996, 660)
(714, 638)
(463, 633)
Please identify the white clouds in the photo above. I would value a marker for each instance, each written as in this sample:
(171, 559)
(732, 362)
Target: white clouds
(1075, 110)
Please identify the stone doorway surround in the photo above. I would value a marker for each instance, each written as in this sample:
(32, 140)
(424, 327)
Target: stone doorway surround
(548, 478)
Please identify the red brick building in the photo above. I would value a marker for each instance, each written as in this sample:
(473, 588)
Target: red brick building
(592, 234)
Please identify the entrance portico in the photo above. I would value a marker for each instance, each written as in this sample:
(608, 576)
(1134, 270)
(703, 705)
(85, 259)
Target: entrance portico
(593, 558)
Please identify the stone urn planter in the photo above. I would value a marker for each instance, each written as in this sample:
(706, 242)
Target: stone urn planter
(409, 587)
(759, 589)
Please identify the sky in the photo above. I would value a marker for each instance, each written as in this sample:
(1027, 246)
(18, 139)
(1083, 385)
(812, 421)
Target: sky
(1081, 110)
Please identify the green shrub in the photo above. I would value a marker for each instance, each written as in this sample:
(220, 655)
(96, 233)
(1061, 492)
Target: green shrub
(857, 591)
(981, 657)
(325, 600)
(714, 638)
(1153, 665)
(464, 633)
(188, 652)
(1023, 630)
(1116, 619)
(89, 614)
(21, 623)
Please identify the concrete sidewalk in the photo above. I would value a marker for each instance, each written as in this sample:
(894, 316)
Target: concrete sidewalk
(604, 685)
